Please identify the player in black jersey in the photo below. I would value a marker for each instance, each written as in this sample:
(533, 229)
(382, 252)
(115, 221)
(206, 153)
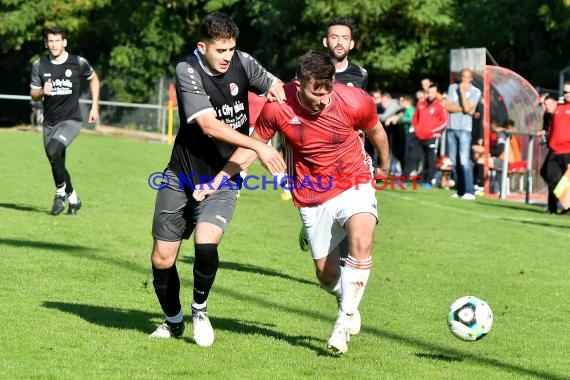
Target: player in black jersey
(56, 79)
(339, 42)
(212, 87)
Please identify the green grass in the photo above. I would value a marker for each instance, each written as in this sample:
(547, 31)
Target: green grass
(77, 298)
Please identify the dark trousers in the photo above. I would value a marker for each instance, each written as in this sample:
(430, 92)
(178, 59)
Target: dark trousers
(418, 148)
(551, 171)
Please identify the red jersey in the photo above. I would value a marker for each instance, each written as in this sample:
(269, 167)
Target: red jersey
(326, 148)
(429, 119)
(256, 103)
(559, 140)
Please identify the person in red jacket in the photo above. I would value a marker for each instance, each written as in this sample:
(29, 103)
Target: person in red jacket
(558, 159)
(429, 119)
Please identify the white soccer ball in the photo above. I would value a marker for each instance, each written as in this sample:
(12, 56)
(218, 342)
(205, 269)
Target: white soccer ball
(470, 318)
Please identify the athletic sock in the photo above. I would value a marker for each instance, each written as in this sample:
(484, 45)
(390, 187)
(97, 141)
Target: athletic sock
(178, 318)
(60, 190)
(353, 279)
(205, 267)
(167, 288)
(198, 306)
(73, 198)
(335, 289)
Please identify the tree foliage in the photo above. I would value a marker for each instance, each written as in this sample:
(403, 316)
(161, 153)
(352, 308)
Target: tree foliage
(132, 43)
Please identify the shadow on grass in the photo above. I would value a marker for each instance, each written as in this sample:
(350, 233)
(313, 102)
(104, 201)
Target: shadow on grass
(255, 328)
(542, 224)
(17, 207)
(108, 316)
(145, 323)
(43, 245)
(246, 268)
(444, 358)
(539, 209)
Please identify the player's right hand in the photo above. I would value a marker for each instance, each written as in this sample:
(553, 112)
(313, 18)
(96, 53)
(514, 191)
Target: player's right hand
(48, 86)
(271, 159)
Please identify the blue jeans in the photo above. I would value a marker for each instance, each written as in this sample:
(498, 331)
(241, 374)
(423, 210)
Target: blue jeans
(459, 141)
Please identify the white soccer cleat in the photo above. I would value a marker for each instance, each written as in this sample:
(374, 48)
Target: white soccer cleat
(165, 331)
(353, 323)
(203, 331)
(338, 342)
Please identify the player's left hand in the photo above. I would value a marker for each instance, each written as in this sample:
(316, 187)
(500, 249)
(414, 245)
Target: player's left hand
(276, 92)
(199, 194)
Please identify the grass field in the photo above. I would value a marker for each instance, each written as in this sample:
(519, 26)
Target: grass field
(77, 299)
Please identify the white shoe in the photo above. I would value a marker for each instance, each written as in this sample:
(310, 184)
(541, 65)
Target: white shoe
(455, 196)
(468, 197)
(353, 323)
(203, 331)
(165, 331)
(338, 342)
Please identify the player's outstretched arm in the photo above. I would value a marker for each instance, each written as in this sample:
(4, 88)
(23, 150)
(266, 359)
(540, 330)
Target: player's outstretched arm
(269, 156)
(239, 161)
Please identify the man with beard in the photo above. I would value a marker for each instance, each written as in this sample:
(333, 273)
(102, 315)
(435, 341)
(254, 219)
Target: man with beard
(339, 43)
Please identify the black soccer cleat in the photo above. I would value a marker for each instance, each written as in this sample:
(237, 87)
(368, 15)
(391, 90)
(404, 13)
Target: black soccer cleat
(73, 208)
(58, 204)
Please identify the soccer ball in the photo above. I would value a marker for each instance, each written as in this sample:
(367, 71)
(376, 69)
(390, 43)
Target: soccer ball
(470, 318)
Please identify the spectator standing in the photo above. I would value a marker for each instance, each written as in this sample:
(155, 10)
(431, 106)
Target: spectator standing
(429, 119)
(462, 99)
(557, 160)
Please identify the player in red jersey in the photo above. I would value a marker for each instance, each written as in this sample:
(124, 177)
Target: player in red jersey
(332, 176)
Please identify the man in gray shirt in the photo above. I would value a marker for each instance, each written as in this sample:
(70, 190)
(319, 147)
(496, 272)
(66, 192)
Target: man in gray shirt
(462, 99)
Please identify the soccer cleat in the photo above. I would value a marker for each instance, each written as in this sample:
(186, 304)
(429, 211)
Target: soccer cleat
(303, 241)
(168, 330)
(74, 207)
(58, 204)
(338, 342)
(203, 332)
(354, 322)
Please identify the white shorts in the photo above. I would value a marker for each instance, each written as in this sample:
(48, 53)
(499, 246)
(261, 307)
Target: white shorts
(324, 224)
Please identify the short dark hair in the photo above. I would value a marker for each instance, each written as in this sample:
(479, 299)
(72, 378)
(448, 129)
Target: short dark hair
(218, 25)
(317, 66)
(509, 123)
(344, 21)
(55, 30)
(434, 84)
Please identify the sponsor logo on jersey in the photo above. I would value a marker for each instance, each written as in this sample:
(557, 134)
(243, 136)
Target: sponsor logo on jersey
(234, 89)
(295, 121)
(68, 73)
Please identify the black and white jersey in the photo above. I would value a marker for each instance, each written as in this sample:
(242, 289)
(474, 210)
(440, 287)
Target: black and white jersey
(353, 75)
(63, 101)
(196, 156)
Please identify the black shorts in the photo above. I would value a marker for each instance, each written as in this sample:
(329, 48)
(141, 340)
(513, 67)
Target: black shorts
(176, 212)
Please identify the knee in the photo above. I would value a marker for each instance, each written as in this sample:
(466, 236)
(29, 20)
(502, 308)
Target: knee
(361, 247)
(163, 257)
(54, 150)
